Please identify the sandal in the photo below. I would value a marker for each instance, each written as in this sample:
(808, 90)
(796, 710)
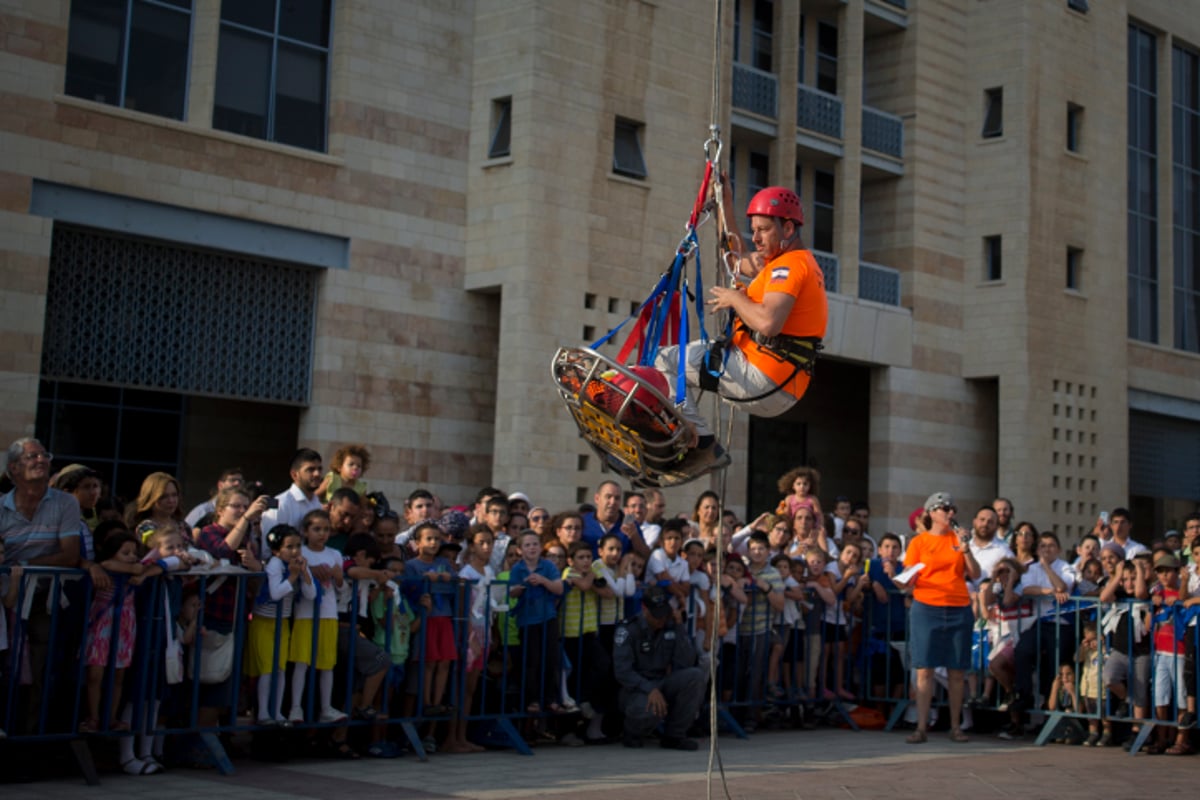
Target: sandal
(366, 713)
(90, 725)
(917, 737)
(1183, 749)
(135, 766)
(533, 708)
(956, 735)
(343, 751)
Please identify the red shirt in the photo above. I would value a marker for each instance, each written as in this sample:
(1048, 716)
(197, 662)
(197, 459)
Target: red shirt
(1164, 632)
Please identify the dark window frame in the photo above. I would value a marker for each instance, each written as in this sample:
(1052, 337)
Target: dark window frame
(824, 210)
(827, 81)
(1143, 189)
(762, 35)
(1074, 127)
(1074, 276)
(993, 113)
(629, 158)
(74, 83)
(500, 139)
(300, 46)
(993, 258)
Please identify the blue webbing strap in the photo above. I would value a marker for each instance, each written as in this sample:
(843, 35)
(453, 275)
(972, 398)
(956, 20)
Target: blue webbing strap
(681, 350)
(659, 288)
(658, 321)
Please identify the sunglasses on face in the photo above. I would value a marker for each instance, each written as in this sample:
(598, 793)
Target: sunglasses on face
(539, 518)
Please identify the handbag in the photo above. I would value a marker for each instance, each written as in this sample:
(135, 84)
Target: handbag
(216, 657)
(173, 666)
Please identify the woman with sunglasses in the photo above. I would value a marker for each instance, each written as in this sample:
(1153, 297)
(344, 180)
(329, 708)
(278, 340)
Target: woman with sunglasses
(539, 520)
(940, 620)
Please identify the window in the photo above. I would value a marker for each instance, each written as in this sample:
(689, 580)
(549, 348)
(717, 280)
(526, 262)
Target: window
(758, 176)
(991, 259)
(993, 113)
(827, 57)
(1074, 268)
(760, 173)
(823, 183)
(130, 53)
(500, 142)
(737, 31)
(1074, 127)
(272, 70)
(764, 27)
(627, 149)
(1078, 5)
(802, 52)
(1142, 159)
(1185, 132)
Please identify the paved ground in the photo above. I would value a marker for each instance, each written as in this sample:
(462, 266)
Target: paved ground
(824, 763)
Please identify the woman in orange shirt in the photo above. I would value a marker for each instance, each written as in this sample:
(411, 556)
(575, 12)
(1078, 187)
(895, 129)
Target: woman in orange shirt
(940, 620)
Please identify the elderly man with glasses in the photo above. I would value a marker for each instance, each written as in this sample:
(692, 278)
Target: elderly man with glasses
(40, 527)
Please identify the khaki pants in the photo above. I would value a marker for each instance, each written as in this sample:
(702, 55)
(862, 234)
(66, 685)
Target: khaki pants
(740, 380)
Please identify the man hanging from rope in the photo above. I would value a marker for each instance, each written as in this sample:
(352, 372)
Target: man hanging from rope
(780, 319)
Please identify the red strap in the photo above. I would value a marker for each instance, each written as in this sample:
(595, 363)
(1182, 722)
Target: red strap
(634, 340)
(708, 169)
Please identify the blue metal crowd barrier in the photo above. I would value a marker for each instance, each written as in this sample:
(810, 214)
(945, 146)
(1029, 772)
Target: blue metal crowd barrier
(502, 669)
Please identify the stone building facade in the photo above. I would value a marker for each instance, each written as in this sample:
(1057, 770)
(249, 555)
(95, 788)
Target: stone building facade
(229, 229)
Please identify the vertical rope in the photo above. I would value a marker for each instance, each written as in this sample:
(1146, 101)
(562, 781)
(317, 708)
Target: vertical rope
(718, 610)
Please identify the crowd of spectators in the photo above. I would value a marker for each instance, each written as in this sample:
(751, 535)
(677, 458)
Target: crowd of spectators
(349, 609)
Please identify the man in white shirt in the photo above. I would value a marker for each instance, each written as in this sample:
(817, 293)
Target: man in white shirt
(306, 472)
(985, 545)
(1004, 511)
(1041, 649)
(229, 478)
(636, 506)
(1122, 530)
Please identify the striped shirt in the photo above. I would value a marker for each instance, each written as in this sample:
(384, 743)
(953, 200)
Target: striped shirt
(579, 610)
(56, 518)
(757, 616)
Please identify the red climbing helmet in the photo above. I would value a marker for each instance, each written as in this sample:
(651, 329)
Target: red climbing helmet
(776, 201)
(650, 377)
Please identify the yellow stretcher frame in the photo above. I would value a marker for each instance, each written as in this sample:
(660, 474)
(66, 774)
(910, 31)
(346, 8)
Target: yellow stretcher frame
(646, 441)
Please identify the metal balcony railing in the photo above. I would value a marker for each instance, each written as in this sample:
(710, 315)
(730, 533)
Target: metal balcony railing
(819, 112)
(882, 132)
(755, 91)
(828, 262)
(878, 283)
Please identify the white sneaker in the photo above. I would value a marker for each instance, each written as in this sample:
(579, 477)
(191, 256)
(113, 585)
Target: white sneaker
(968, 719)
(296, 715)
(332, 715)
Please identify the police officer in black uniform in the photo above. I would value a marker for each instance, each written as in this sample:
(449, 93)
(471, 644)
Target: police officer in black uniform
(655, 663)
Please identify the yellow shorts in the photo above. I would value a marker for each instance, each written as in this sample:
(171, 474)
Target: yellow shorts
(302, 635)
(260, 646)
